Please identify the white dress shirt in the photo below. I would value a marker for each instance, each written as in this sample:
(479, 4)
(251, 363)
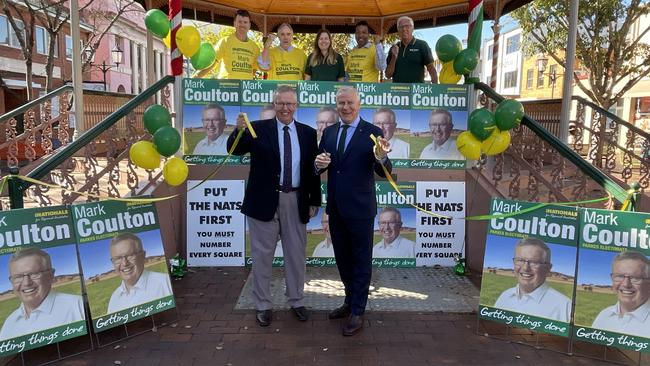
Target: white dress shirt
(399, 248)
(216, 147)
(56, 309)
(544, 302)
(399, 149)
(635, 323)
(295, 153)
(324, 250)
(278, 249)
(150, 286)
(446, 151)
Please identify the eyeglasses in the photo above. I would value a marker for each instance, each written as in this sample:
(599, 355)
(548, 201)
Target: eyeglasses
(533, 264)
(407, 25)
(32, 276)
(438, 125)
(213, 120)
(619, 277)
(129, 258)
(391, 223)
(283, 105)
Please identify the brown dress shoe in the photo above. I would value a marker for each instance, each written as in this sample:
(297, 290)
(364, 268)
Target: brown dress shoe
(353, 325)
(341, 312)
(263, 317)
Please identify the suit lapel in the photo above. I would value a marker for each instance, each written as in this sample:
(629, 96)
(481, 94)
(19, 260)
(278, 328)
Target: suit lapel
(358, 132)
(273, 135)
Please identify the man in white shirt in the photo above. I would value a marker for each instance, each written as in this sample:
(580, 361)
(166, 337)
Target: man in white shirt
(532, 295)
(393, 245)
(385, 119)
(631, 283)
(442, 147)
(325, 248)
(214, 122)
(31, 276)
(138, 285)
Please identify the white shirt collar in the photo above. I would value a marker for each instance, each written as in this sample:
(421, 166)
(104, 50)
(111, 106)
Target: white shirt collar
(641, 313)
(536, 295)
(281, 125)
(140, 285)
(45, 307)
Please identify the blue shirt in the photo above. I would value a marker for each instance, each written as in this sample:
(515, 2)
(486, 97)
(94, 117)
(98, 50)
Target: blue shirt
(295, 152)
(349, 133)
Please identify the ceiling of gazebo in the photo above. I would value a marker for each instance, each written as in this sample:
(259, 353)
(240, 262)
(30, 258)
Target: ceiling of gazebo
(336, 15)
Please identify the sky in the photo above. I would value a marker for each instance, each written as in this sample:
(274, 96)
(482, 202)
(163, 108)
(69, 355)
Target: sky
(431, 35)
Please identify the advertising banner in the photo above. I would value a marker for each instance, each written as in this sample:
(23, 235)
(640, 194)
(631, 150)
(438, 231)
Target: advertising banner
(123, 261)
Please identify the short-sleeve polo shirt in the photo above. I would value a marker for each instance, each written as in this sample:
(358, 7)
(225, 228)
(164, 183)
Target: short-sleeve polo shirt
(411, 60)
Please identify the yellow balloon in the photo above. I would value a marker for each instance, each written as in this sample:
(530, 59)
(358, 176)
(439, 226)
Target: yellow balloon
(188, 40)
(144, 155)
(497, 143)
(168, 40)
(447, 74)
(468, 145)
(175, 171)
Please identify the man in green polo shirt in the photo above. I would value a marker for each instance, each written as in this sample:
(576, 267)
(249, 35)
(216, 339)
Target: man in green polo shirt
(407, 59)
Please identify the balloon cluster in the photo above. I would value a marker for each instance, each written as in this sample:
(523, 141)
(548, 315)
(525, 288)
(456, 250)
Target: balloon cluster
(490, 133)
(188, 39)
(456, 61)
(166, 142)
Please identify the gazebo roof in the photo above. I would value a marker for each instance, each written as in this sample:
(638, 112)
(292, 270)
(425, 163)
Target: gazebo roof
(336, 15)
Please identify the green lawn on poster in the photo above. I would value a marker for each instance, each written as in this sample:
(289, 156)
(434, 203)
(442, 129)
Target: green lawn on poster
(193, 137)
(493, 285)
(7, 306)
(590, 304)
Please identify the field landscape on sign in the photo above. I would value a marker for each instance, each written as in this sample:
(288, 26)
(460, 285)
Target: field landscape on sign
(495, 281)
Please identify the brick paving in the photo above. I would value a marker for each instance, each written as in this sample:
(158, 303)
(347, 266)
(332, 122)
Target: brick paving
(208, 330)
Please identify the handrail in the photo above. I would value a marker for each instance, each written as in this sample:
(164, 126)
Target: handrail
(58, 158)
(611, 115)
(619, 193)
(39, 100)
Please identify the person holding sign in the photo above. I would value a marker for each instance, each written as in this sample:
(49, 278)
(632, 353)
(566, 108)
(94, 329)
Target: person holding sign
(324, 64)
(325, 248)
(236, 54)
(138, 285)
(532, 295)
(214, 122)
(283, 192)
(385, 119)
(442, 147)
(366, 61)
(631, 283)
(393, 245)
(408, 59)
(284, 62)
(31, 276)
(351, 158)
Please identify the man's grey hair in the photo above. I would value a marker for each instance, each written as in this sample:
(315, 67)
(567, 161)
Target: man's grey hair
(402, 18)
(127, 237)
(284, 89)
(327, 109)
(632, 255)
(441, 111)
(28, 252)
(392, 209)
(534, 242)
(285, 25)
(348, 89)
(214, 106)
(390, 112)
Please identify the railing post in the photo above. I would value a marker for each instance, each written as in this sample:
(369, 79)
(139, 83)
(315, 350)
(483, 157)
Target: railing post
(15, 189)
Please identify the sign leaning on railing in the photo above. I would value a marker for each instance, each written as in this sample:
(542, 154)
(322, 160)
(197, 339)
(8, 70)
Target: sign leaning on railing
(40, 300)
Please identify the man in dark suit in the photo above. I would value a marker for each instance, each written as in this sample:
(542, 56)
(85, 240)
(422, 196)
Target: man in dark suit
(283, 192)
(350, 156)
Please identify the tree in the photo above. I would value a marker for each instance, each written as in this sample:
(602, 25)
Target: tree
(612, 53)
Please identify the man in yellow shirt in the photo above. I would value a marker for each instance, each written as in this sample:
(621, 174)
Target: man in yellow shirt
(366, 61)
(236, 54)
(284, 62)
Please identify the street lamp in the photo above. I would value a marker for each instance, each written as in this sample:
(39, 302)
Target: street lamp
(542, 61)
(116, 58)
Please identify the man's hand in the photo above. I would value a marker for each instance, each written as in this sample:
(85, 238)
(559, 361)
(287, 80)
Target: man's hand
(382, 148)
(323, 160)
(395, 51)
(313, 211)
(241, 122)
(269, 41)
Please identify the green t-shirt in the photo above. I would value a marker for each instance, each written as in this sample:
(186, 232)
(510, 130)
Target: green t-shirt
(325, 71)
(411, 60)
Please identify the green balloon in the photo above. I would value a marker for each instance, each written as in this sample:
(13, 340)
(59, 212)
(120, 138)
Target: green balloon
(481, 123)
(155, 117)
(508, 114)
(204, 57)
(465, 61)
(448, 47)
(157, 22)
(167, 140)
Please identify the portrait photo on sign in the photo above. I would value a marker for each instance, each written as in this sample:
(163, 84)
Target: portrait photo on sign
(395, 124)
(434, 132)
(207, 127)
(124, 271)
(613, 291)
(40, 289)
(319, 238)
(528, 276)
(395, 230)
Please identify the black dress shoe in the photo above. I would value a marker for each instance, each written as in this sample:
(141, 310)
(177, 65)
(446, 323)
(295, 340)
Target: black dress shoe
(352, 325)
(263, 317)
(339, 313)
(301, 313)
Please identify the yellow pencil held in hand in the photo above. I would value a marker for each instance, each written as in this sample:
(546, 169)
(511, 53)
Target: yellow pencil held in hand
(248, 125)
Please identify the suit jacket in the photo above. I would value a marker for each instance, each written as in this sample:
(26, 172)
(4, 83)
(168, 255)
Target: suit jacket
(350, 180)
(261, 198)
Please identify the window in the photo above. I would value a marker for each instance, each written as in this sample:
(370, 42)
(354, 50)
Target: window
(510, 79)
(529, 78)
(489, 52)
(13, 38)
(512, 44)
(552, 75)
(540, 79)
(42, 40)
(4, 30)
(68, 47)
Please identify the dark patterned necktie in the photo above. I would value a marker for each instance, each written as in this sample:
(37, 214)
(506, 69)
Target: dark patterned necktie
(341, 148)
(286, 176)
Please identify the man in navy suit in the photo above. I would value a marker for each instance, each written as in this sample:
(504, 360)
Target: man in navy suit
(283, 192)
(350, 156)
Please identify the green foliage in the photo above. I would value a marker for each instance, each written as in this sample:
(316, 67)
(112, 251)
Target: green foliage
(608, 44)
